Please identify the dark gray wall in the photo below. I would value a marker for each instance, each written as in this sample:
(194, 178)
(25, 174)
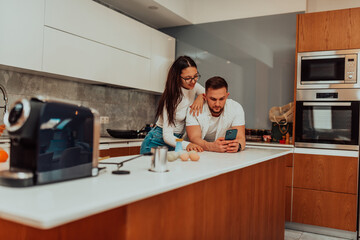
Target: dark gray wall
(127, 109)
(256, 56)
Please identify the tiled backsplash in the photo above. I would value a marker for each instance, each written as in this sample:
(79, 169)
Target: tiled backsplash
(126, 109)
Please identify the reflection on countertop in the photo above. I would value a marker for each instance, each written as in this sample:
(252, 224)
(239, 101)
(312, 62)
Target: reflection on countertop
(270, 144)
(119, 140)
(5, 139)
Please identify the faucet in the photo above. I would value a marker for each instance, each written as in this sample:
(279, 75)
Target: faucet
(2, 88)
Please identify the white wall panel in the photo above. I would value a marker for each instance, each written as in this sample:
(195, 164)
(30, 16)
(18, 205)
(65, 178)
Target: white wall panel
(162, 56)
(21, 33)
(73, 56)
(91, 20)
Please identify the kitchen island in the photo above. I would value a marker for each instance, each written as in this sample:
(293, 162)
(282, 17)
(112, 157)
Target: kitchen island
(222, 196)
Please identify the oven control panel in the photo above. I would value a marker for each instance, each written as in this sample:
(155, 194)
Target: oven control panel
(332, 95)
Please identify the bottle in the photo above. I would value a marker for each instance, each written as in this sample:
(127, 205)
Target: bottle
(178, 147)
(287, 140)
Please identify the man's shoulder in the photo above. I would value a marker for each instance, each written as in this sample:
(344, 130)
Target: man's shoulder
(202, 114)
(233, 104)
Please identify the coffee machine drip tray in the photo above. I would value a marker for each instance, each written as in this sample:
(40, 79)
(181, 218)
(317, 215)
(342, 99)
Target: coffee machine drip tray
(16, 178)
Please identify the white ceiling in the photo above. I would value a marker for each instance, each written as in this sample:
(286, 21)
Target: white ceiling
(171, 13)
(139, 10)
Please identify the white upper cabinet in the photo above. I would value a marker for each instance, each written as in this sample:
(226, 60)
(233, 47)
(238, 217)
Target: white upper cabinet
(70, 55)
(82, 39)
(91, 20)
(162, 56)
(21, 33)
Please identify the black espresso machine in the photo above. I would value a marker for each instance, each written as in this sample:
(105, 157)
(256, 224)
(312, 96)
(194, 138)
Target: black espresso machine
(51, 141)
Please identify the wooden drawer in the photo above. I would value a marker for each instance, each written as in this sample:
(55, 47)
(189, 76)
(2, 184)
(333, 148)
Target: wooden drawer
(288, 204)
(328, 173)
(134, 150)
(115, 152)
(326, 209)
(289, 160)
(118, 152)
(104, 153)
(288, 176)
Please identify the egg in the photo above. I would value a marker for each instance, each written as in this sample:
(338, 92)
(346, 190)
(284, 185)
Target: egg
(184, 156)
(172, 156)
(194, 156)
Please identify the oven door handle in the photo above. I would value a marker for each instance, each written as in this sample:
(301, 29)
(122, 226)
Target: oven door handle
(323, 57)
(327, 104)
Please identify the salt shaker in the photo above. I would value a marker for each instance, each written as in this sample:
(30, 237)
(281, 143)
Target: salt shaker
(178, 147)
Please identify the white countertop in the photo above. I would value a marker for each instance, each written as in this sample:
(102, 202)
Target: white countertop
(55, 204)
(102, 140)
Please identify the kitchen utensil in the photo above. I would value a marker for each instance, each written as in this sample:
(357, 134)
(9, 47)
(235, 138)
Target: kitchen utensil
(159, 159)
(120, 164)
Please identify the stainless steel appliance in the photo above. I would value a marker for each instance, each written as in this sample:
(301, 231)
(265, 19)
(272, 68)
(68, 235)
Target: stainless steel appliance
(327, 118)
(51, 141)
(328, 69)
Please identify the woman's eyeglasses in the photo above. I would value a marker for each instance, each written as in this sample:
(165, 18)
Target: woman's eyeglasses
(189, 79)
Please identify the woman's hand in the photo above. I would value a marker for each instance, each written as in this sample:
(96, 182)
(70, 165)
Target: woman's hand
(197, 105)
(194, 147)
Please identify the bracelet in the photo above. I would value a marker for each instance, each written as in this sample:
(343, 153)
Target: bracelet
(239, 149)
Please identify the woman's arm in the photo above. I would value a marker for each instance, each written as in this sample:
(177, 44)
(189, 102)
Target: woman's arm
(168, 131)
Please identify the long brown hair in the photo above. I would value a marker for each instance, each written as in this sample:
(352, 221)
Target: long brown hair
(172, 94)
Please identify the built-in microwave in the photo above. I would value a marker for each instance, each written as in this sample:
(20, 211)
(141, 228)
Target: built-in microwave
(327, 118)
(328, 69)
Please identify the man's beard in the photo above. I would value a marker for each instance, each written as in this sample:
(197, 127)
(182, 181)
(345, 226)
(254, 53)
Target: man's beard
(216, 113)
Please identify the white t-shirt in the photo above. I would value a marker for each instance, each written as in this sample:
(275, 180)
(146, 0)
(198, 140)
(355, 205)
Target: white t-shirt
(211, 133)
(233, 115)
(180, 114)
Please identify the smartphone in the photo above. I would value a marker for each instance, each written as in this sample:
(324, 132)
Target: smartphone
(231, 134)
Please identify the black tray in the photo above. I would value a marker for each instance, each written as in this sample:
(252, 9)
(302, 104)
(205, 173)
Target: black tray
(123, 133)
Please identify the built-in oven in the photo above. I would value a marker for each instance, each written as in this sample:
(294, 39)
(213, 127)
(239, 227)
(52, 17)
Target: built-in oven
(327, 118)
(328, 69)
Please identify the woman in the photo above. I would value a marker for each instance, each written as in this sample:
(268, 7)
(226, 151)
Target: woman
(180, 90)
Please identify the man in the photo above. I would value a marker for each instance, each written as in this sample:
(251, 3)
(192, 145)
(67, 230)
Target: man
(219, 114)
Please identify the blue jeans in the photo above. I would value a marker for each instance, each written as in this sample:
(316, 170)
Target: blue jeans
(155, 139)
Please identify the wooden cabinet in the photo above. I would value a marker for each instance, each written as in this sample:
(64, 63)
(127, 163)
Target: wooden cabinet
(21, 33)
(247, 203)
(331, 30)
(119, 149)
(326, 209)
(288, 185)
(327, 173)
(325, 191)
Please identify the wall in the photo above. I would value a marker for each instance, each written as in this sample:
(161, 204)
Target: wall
(327, 5)
(256, 56)
(127, 109)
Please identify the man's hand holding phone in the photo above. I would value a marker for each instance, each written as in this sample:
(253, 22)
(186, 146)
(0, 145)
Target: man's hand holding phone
(232, 142)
